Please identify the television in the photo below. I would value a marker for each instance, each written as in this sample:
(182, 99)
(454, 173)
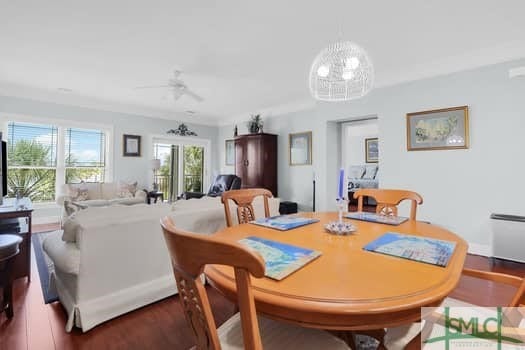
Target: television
(4, 169)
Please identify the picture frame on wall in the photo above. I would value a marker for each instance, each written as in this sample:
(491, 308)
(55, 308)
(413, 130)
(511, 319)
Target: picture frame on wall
(229, 150)
(300, 148)
(372, 150)
(131, 145)
(438, 129)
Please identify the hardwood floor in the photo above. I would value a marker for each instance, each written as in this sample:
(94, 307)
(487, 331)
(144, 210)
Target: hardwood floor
(45, 227)
(162, 325)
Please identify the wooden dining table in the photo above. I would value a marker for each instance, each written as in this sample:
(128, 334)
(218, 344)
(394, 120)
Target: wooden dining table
(347, 288)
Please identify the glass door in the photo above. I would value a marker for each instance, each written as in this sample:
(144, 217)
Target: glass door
(193, 168)
(182, 168)
(167, 177)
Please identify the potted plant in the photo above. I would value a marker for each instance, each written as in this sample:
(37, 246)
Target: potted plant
(255, 124)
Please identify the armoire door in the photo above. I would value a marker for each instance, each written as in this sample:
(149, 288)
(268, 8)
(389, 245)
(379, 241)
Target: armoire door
(253, 171)
(240, 168)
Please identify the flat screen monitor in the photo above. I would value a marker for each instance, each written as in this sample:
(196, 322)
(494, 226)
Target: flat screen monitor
(4, 168)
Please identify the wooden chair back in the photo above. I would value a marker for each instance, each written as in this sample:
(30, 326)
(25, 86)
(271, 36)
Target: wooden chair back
(388, 200)
(518, 282)
(189, 253)
(243, 199)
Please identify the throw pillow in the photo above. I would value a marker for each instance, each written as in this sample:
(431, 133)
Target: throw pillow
(72, 229)
(126, 190)
(78, 192)
(72, 207)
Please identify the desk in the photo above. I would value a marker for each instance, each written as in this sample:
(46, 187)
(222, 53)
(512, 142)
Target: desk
(9, 211)
(347, 288)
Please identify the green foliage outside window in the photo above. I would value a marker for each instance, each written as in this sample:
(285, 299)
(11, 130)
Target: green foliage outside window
(30, 174)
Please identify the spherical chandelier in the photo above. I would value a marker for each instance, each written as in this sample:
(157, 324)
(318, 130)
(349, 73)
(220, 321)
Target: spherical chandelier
(342, 71)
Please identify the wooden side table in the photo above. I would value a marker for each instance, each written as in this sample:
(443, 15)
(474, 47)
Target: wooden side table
(9, 249)
(154, 195)
(15, 218)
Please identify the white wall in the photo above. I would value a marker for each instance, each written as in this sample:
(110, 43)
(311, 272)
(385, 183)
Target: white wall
(354, 136)
(124, 168)
(460, 187)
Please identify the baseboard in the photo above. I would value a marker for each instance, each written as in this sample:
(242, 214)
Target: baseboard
(480, 249)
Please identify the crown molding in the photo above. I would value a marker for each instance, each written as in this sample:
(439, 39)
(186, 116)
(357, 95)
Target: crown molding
(70, 99)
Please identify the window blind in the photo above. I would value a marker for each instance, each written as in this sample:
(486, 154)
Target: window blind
(32, 145)
(85, 148)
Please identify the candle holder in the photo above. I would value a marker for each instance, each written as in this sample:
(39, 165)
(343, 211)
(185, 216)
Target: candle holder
(342, 206)
(340, 227)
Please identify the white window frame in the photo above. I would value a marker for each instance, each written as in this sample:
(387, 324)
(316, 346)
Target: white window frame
(62, 125)
(185, 141)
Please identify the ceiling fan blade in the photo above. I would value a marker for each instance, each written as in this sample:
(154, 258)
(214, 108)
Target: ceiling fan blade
(151, 86)
(193, 95)
(177, 94)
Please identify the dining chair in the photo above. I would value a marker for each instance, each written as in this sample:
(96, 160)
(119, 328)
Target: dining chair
(410, 336)
(243, 199)
(190, 252)
(388, 200)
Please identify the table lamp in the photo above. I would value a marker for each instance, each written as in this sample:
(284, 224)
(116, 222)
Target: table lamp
(155, 165)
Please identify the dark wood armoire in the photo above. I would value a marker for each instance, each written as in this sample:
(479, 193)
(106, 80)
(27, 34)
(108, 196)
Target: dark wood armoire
(256, 161)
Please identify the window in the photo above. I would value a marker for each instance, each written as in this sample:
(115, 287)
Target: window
(85, 155)
(32, 161)
(42, 157)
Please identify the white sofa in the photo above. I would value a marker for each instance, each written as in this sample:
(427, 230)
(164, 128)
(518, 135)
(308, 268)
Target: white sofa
(102, 194)
(118, 261)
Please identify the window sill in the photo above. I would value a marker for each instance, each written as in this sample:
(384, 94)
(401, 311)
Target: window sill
(45, 205)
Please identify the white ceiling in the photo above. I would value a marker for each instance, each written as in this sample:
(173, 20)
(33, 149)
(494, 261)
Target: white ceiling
(241, 56)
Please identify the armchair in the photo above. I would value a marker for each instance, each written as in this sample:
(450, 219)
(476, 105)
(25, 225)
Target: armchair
(221, 184)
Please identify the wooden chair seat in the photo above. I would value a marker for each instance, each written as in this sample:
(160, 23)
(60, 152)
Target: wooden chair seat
(397, 338)
(400, 337)
(189, 253)
(278, 336)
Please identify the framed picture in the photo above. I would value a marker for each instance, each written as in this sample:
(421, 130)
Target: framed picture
(438, 129)
(131, 146)
(371, 150)
(229, 148)
(300, 148)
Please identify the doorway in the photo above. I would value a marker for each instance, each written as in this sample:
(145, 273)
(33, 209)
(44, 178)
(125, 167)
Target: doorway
(360, 157)
(183, 167)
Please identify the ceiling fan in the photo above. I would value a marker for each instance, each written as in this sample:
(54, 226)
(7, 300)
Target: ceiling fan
(178, 87)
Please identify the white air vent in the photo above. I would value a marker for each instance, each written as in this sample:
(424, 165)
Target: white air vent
(517, 72)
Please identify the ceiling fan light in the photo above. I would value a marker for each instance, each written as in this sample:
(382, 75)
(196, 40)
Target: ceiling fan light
(347, 75)
(342, 82)
(352, 62)
(323, 71)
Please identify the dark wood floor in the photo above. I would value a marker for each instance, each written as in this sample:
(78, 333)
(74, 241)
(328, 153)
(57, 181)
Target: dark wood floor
(162, 325)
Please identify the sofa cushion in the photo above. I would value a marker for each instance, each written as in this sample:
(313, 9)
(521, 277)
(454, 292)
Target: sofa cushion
(126, 201)
(72, 229)
(65, 256)
(126, 190)
(94, 203)
(84, 191)
(72, 207)
(356, 171)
